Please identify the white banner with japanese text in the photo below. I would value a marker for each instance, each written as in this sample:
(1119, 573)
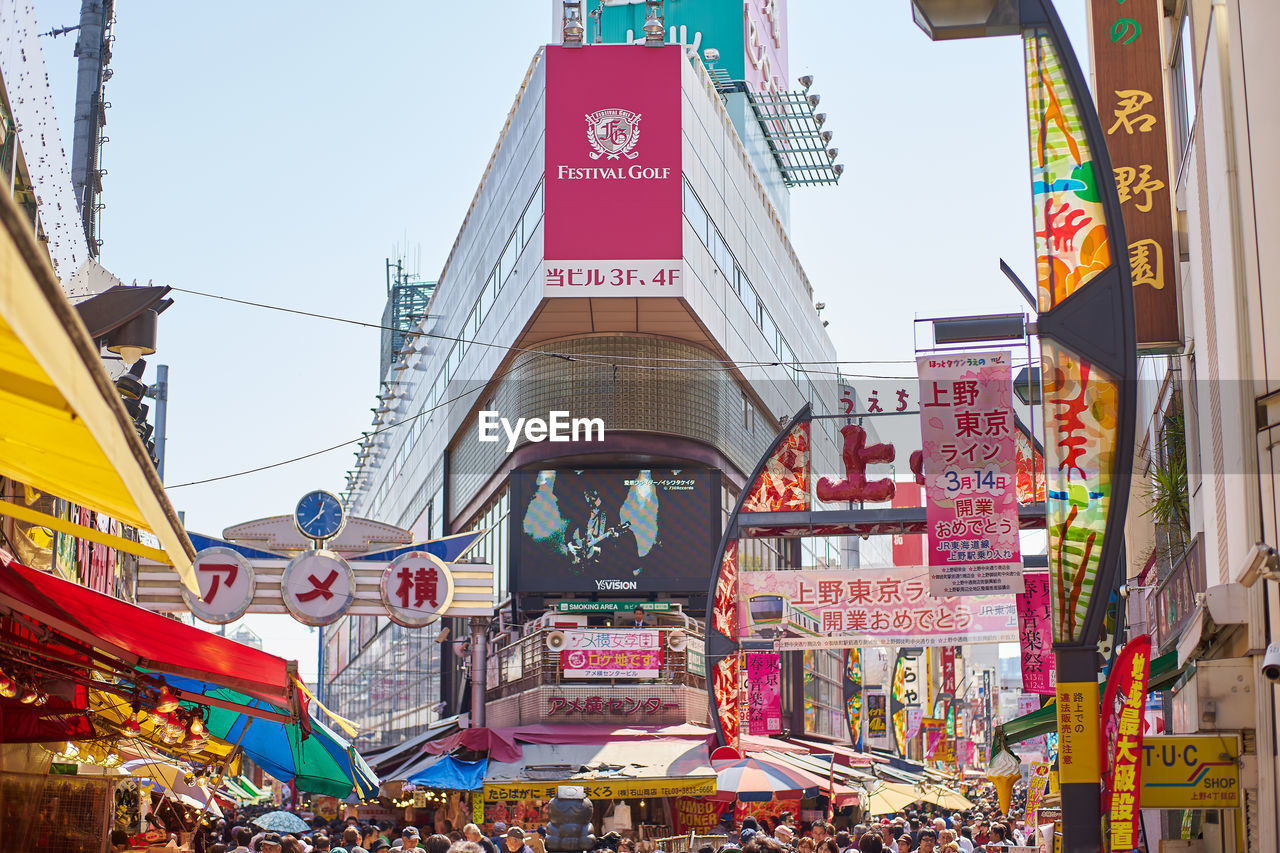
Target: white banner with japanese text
(821, 608)
(970, 469)
(635, 653)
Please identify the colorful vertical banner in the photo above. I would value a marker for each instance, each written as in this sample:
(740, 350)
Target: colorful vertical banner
(932, 732)
(1123, 705)
(904, 699)
(877, 712)
(764, 693)
(1035, 635)
(853, 695)
(970, 469)
(613, 143)
(1130, 93)
(1037, 785)
(1080, 399)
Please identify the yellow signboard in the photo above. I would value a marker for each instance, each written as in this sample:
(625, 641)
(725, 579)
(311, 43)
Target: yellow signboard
(1079, 743)
(1191, 772)
(602, 789)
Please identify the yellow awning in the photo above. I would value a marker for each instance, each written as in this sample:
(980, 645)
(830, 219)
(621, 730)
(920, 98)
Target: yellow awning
(63, 427)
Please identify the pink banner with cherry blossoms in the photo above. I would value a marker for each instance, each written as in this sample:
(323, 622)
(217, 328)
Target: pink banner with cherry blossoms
(970, 468)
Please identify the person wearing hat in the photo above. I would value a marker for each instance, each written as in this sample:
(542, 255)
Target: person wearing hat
(269, 843)
(499, 832)
(514, 839)
(784, 835)
(410, 838)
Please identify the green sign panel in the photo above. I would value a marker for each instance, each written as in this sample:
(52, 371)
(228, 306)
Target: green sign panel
(612, 606)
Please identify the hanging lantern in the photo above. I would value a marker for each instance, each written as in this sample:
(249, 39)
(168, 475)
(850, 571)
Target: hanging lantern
(8, 687)
(28, 695)
(167, 703)
(132, 727)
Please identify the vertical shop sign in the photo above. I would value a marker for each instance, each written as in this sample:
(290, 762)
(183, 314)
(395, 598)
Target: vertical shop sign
(877, 708)
(947, 659)
(1123, 705)
(612, 221)
(764, 693)
(1035, 635)
(970, 470)
(933, 731)
(1130, 93)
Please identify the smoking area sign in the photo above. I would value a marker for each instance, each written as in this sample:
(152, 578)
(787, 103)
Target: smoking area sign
(1191, 772)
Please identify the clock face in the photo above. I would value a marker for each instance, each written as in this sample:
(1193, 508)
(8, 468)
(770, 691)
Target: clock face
(319, 515)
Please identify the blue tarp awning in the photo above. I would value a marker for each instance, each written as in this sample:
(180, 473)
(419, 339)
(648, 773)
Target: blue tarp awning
(452, 774)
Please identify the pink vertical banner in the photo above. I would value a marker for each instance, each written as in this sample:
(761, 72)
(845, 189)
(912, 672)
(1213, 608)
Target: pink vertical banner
(764, 693)
(1038, 673)
(970, 469)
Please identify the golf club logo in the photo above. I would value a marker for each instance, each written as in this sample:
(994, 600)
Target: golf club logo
(613, 133)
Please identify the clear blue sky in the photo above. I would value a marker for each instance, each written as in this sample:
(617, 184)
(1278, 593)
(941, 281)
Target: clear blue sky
(280, 151)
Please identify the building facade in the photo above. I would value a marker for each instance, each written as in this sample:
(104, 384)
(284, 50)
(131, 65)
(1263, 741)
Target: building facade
(1203, 525)
(634, 269)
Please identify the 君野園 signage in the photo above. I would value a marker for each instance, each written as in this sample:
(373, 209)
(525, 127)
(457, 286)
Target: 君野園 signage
(970, 470)
(1129, 89)
(612, 224)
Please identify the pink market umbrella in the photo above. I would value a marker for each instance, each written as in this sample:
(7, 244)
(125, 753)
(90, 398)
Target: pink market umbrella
(754, 780)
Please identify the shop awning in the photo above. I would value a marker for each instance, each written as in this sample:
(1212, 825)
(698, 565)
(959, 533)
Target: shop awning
(844, 754)
(451, 774)
(1164, 672)
(108, 633)
(611, 770)
(63, 427)
(819, 773)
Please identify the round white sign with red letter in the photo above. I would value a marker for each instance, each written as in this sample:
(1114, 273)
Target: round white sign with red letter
(227, 584)
(416, 588)
(318, 587)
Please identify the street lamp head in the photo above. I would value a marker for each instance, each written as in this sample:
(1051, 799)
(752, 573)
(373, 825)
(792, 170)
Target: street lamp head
(963, 19)
(819, 119)
(826, 137)
(813, 100)
(572, 31)
(806, 81)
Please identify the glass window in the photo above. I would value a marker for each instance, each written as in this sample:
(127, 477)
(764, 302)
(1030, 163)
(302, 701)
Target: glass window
(748, 295)
(1183, 87)
(509, 256)
(770, 331)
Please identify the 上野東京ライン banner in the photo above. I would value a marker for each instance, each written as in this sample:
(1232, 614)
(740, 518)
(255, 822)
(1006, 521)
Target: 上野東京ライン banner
(612, 221)
(841, 608)
(970, 469)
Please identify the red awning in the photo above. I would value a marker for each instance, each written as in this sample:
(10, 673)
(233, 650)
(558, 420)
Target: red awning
(137, 638)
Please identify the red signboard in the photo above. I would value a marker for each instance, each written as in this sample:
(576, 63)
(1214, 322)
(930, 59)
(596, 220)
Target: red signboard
(1123, 704)
(613, 223)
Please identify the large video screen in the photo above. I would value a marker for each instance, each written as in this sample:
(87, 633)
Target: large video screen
(614, 530)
